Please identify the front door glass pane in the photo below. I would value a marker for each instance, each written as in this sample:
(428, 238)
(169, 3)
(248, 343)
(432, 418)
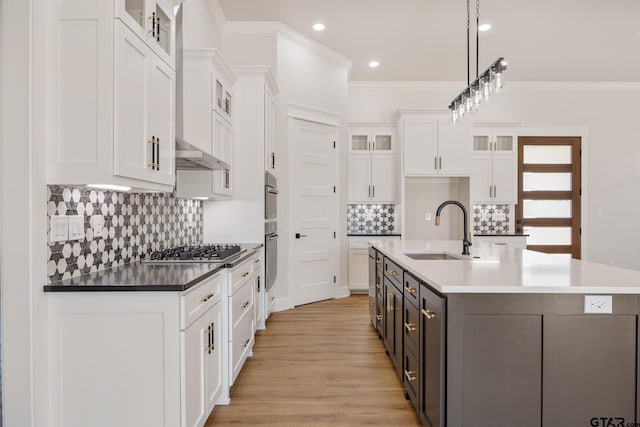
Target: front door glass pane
(548, 235)
(547, 208)
(547, 154)
(546, 181)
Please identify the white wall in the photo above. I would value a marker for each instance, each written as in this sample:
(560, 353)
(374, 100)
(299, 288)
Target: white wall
(607, 113)
(202, 28)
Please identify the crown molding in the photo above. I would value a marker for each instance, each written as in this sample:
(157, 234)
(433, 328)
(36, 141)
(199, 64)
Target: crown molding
(278, 28)
(260, 71)
(313, 114)
(446, 85)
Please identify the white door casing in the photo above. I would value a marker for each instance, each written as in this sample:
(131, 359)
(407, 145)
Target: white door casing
(315, 211)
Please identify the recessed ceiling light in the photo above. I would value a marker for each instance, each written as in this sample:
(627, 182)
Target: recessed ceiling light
(484, 27)
(318, 26)
(374, 64)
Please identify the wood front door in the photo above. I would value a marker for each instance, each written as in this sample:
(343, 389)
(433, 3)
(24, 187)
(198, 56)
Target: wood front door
(549, 192)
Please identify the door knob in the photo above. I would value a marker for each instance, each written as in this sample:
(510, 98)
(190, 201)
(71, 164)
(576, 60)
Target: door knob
(298, 235)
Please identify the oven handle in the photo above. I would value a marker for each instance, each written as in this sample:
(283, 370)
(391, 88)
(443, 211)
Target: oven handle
(272, 190)
(273, 237)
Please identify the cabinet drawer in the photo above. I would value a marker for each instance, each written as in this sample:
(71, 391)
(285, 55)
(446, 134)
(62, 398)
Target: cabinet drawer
(241, 303)
(393, 272)
(240, 274)
(411, 289)
(197, 300)
(379, 283)
(241, 344)
(410, 326)
(411, 377)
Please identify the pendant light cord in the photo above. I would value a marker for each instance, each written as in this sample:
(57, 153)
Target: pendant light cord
(477, 35)
(468, 53)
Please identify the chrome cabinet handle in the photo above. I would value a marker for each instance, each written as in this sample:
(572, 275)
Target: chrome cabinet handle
(440, 163)
(435, 163)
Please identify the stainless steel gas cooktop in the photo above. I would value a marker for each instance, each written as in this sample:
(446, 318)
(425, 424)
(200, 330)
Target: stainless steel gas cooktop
(200, 253)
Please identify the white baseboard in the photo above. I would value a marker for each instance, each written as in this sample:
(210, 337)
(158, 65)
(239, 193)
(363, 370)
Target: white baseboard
(282, 304)
(342, 292)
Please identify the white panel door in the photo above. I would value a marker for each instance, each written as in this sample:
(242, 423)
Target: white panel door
(505, 179)
(419, 146)
(382, 178)
(481, 178)
(315, 211)
(359, 178)
(454, 148)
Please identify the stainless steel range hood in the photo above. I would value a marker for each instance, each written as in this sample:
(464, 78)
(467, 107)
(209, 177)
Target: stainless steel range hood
(188, 157)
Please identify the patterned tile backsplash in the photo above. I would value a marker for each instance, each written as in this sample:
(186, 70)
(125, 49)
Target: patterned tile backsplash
(370, 218)
(491, 219)
(135, 224)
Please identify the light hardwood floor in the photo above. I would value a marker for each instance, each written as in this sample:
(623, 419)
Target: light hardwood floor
(318, 364)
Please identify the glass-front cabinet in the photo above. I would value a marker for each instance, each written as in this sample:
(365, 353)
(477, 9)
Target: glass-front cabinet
(153, 22)
(494, 167)
(374, 140)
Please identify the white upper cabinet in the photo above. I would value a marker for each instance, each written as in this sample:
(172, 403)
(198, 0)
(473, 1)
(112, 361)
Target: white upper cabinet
(208, 91)
(113, 99)
(494, 177)
(269, 129)
(432, 145)
(373, 140)
(153, 22)
(371, 165)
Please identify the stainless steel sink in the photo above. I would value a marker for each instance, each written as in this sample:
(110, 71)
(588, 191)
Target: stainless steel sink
(431, 256)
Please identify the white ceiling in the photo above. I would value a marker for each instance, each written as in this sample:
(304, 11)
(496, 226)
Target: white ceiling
(425, 40)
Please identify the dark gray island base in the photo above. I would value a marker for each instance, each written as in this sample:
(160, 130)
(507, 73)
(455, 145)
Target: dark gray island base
(505, 359)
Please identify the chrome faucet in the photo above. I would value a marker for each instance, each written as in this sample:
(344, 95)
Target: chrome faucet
(466, 239)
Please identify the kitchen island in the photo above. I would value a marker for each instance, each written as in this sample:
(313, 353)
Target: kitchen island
(505, 336)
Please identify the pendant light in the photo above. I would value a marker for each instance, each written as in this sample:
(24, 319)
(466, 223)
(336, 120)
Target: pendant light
(486, 84)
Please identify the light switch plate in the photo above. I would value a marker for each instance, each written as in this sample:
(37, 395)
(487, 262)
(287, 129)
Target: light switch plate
(76, 227)
(598, 304)
(59, 228)
(97, 224)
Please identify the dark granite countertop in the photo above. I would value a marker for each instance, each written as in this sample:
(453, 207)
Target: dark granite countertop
(141, 276)
(501, 235)
(372, 234)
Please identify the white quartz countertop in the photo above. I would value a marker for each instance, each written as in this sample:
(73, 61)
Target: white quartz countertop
(502, 269)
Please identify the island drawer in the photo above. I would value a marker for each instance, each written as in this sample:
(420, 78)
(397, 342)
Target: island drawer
(411, 289)
(411, 377)
(410, 324)
(393, 272)
(197, 300)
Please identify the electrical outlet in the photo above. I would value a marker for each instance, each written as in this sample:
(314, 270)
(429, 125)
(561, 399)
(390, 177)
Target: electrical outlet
(598, 304)
(427, 216)
(59, 228)
(76, 227)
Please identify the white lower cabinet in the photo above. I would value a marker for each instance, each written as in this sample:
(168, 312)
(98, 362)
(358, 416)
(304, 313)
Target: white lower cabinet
(271, 301)
(241, 314)
(202, 349)
(359, 261)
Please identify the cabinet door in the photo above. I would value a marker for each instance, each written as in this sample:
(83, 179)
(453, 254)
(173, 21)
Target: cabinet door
(359, 178)
(382, 141)
(162, 36)
(419, 146)
(135, 14)
(269, 131)
(358, 269)
(359, 141)
(132, 146)
(222, 149)
(213, 359)
(505, 178)
(398, 326)
(432, 360)
(195, 348)
(161, 118)
(481, 178)
(454, 148)
(382, 178)
(372, 288)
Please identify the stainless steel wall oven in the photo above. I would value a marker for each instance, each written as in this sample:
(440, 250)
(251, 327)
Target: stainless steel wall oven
(270, 229)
